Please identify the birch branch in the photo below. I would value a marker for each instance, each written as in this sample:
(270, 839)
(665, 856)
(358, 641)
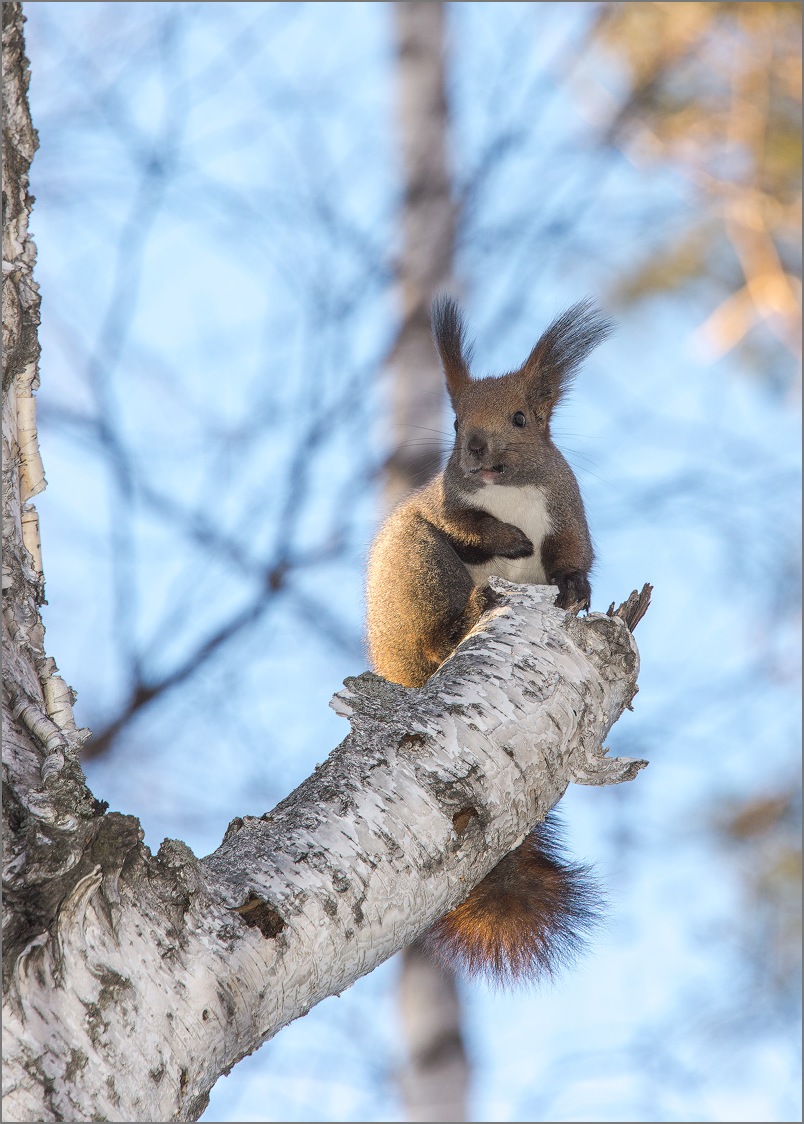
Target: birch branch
(157, 974)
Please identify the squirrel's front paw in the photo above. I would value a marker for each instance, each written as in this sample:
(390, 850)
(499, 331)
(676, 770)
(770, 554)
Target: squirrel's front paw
(516, 544)
(574, 590)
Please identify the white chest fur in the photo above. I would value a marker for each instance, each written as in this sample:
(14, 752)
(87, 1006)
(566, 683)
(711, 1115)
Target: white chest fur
(526, 508)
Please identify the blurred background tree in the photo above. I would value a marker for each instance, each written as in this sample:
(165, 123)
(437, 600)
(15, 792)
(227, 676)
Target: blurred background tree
(219, 194)
(433, 1070)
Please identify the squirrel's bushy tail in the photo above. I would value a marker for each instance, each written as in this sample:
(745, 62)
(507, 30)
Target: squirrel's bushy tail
(528, 917)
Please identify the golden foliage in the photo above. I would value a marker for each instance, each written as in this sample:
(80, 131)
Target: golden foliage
(714, 91)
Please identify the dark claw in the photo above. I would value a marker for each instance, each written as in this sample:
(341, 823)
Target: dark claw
(573, 590)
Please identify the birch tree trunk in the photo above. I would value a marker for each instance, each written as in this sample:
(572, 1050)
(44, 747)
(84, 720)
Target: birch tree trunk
(435, 1079)
(131, 982)
(425, 260)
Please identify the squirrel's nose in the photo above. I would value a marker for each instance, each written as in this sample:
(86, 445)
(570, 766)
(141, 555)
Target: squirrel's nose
(476, 443)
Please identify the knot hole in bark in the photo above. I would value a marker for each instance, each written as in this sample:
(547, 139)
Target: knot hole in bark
(462, 819)
(412, 741)
(257, 913)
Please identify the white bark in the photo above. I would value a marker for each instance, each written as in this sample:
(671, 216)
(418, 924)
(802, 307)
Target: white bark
(132, 982)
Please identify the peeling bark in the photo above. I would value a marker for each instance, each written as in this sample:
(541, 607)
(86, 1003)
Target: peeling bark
(131, 982)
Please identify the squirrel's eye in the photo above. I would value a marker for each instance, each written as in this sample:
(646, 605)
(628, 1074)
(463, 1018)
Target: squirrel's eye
(456, 425)
(519, 419)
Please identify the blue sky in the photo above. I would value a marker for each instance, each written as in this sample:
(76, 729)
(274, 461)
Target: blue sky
(217, 188)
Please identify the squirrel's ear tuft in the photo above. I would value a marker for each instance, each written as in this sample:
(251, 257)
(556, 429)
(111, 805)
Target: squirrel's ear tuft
(449, 334)
(554, 361)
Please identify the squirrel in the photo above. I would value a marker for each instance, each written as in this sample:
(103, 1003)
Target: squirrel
(506, 503)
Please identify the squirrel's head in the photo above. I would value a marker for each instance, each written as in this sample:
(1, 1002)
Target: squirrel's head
(503, 424)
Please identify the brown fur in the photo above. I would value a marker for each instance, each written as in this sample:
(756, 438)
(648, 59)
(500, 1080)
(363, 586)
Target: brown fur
(530, 912)
(525, 919)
